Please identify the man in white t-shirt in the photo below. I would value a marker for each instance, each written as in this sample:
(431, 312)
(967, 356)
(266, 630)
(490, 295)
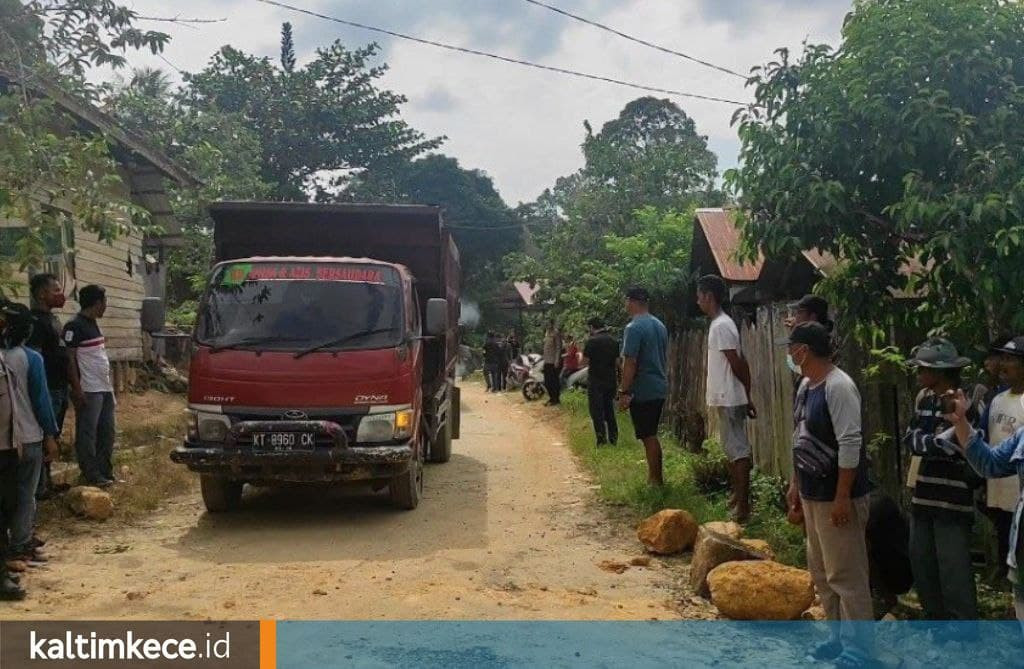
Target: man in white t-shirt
(1003, 417)
(728, 391)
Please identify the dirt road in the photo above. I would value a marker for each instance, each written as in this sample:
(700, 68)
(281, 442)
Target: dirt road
(509, 529)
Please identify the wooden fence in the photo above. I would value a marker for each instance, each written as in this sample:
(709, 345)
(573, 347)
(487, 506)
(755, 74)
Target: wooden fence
(885, 403)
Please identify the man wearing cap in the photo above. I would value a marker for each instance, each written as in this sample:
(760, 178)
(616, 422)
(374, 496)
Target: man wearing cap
(728, 391)
(829, 490)
(942, 506)
(644, 377)
(994, 462)
(1003, 416)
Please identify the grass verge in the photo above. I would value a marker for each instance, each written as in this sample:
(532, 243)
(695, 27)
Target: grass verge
(621, 473)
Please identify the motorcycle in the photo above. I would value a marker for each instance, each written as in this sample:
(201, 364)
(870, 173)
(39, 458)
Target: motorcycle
(534, 388)
(519, 370)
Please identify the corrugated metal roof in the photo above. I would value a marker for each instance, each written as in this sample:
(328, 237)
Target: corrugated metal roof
(724, 239)
(526, 292)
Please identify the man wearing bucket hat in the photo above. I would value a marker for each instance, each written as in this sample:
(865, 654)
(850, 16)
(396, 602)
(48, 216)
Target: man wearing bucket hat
(942, 506)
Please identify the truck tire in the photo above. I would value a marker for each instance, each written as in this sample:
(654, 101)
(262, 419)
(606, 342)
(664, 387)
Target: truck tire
(441, 447)
(407, 488)
(220, 493)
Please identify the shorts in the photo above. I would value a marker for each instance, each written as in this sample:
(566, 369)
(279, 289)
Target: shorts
(646, 417)
(732, 423)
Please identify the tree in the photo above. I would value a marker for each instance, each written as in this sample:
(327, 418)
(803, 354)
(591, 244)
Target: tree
(656, 254)
(900, 153)
(484, 227)
(287, 48)
(219, 148)
(314, 123)
(625, 217)
(45, 159)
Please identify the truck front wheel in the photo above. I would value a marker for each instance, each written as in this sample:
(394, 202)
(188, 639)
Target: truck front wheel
(407, 488)
(220, 493)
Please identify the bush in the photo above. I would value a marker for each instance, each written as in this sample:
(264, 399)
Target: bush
(711, 469)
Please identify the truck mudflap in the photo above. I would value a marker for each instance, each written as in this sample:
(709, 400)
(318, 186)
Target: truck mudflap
(330, 459)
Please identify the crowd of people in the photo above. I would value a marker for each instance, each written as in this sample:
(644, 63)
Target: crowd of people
(44, 367)
(966, 442)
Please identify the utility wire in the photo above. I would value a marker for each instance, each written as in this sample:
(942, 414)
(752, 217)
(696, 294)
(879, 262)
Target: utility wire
(507, 59)
(633, 38)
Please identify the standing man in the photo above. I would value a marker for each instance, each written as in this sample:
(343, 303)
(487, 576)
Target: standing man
(644, 377)
(492, 362)
(47, 295)
(10, 590)
(92, 392)
(552, 359)
(830, 489)
(942, 506)
(601, 355)
(34, 424)
(505, 349)
(728, 391)
(1003, 416)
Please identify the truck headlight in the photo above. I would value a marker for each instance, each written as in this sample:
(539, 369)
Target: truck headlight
(208, 426)
(375, 428)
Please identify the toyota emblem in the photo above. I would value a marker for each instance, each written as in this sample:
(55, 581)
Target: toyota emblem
(295, 414)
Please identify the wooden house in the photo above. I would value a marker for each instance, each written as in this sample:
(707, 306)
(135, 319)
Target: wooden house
(130, 267)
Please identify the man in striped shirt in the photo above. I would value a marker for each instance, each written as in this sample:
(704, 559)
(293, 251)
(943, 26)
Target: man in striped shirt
(942, 507)
(92, 392)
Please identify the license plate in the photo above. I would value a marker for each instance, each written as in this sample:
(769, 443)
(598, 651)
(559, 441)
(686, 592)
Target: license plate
(284, 441)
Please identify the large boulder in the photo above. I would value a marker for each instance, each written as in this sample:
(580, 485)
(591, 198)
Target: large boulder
(726, 527)
(759, 546)
(760, 590)
(90, 502)
(713, 549)
(668, 532)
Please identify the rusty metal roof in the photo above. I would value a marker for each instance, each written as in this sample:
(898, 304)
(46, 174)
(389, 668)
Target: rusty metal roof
(723, 237)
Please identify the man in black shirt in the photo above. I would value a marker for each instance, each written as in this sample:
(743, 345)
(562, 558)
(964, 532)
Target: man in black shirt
(601, 355)
(47, 295)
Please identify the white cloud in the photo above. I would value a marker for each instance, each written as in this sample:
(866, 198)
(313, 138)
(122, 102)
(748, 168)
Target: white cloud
(522, 126)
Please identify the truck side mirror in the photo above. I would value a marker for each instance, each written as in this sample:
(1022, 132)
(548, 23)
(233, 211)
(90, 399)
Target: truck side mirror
(437, 316)
(153, 315)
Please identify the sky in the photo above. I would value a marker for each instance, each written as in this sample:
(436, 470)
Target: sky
(523, 127)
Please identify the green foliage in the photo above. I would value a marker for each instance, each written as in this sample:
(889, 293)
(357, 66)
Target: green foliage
(900, 153)
(51, 172)
(312, 122)
(621, 473)
(624, 218)
(484, 227)
(655, 254)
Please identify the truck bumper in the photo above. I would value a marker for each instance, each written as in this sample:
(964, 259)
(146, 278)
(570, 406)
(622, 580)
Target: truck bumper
(321, 465)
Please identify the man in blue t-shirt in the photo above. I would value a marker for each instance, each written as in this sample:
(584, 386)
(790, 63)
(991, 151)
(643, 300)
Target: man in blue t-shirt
(644, 379)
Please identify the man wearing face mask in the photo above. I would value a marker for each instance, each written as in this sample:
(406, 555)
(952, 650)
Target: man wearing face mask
(47, 296)
(808, 309)
(829, 491)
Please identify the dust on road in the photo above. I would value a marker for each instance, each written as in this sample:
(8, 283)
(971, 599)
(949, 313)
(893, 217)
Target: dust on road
(509, 529)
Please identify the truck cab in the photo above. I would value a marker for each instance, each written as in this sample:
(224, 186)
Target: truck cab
(317, 365)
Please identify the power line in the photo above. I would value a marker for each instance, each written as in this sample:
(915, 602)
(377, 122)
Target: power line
(506, 59)
(633, 38)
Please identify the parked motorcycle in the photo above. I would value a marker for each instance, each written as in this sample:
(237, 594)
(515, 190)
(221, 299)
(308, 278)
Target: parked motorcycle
(519, 370)
(534, 389)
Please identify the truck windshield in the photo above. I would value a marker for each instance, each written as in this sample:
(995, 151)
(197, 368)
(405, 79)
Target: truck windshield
(294, 306)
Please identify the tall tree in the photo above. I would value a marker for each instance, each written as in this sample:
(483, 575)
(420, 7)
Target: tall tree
(314, 123)
(900, 152)
(287, 48)
(623, 217)
(484, 227)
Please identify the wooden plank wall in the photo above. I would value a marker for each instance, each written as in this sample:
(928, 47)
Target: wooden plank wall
(885, 401)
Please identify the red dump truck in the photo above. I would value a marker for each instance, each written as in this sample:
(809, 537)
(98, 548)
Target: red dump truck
(324, 349)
